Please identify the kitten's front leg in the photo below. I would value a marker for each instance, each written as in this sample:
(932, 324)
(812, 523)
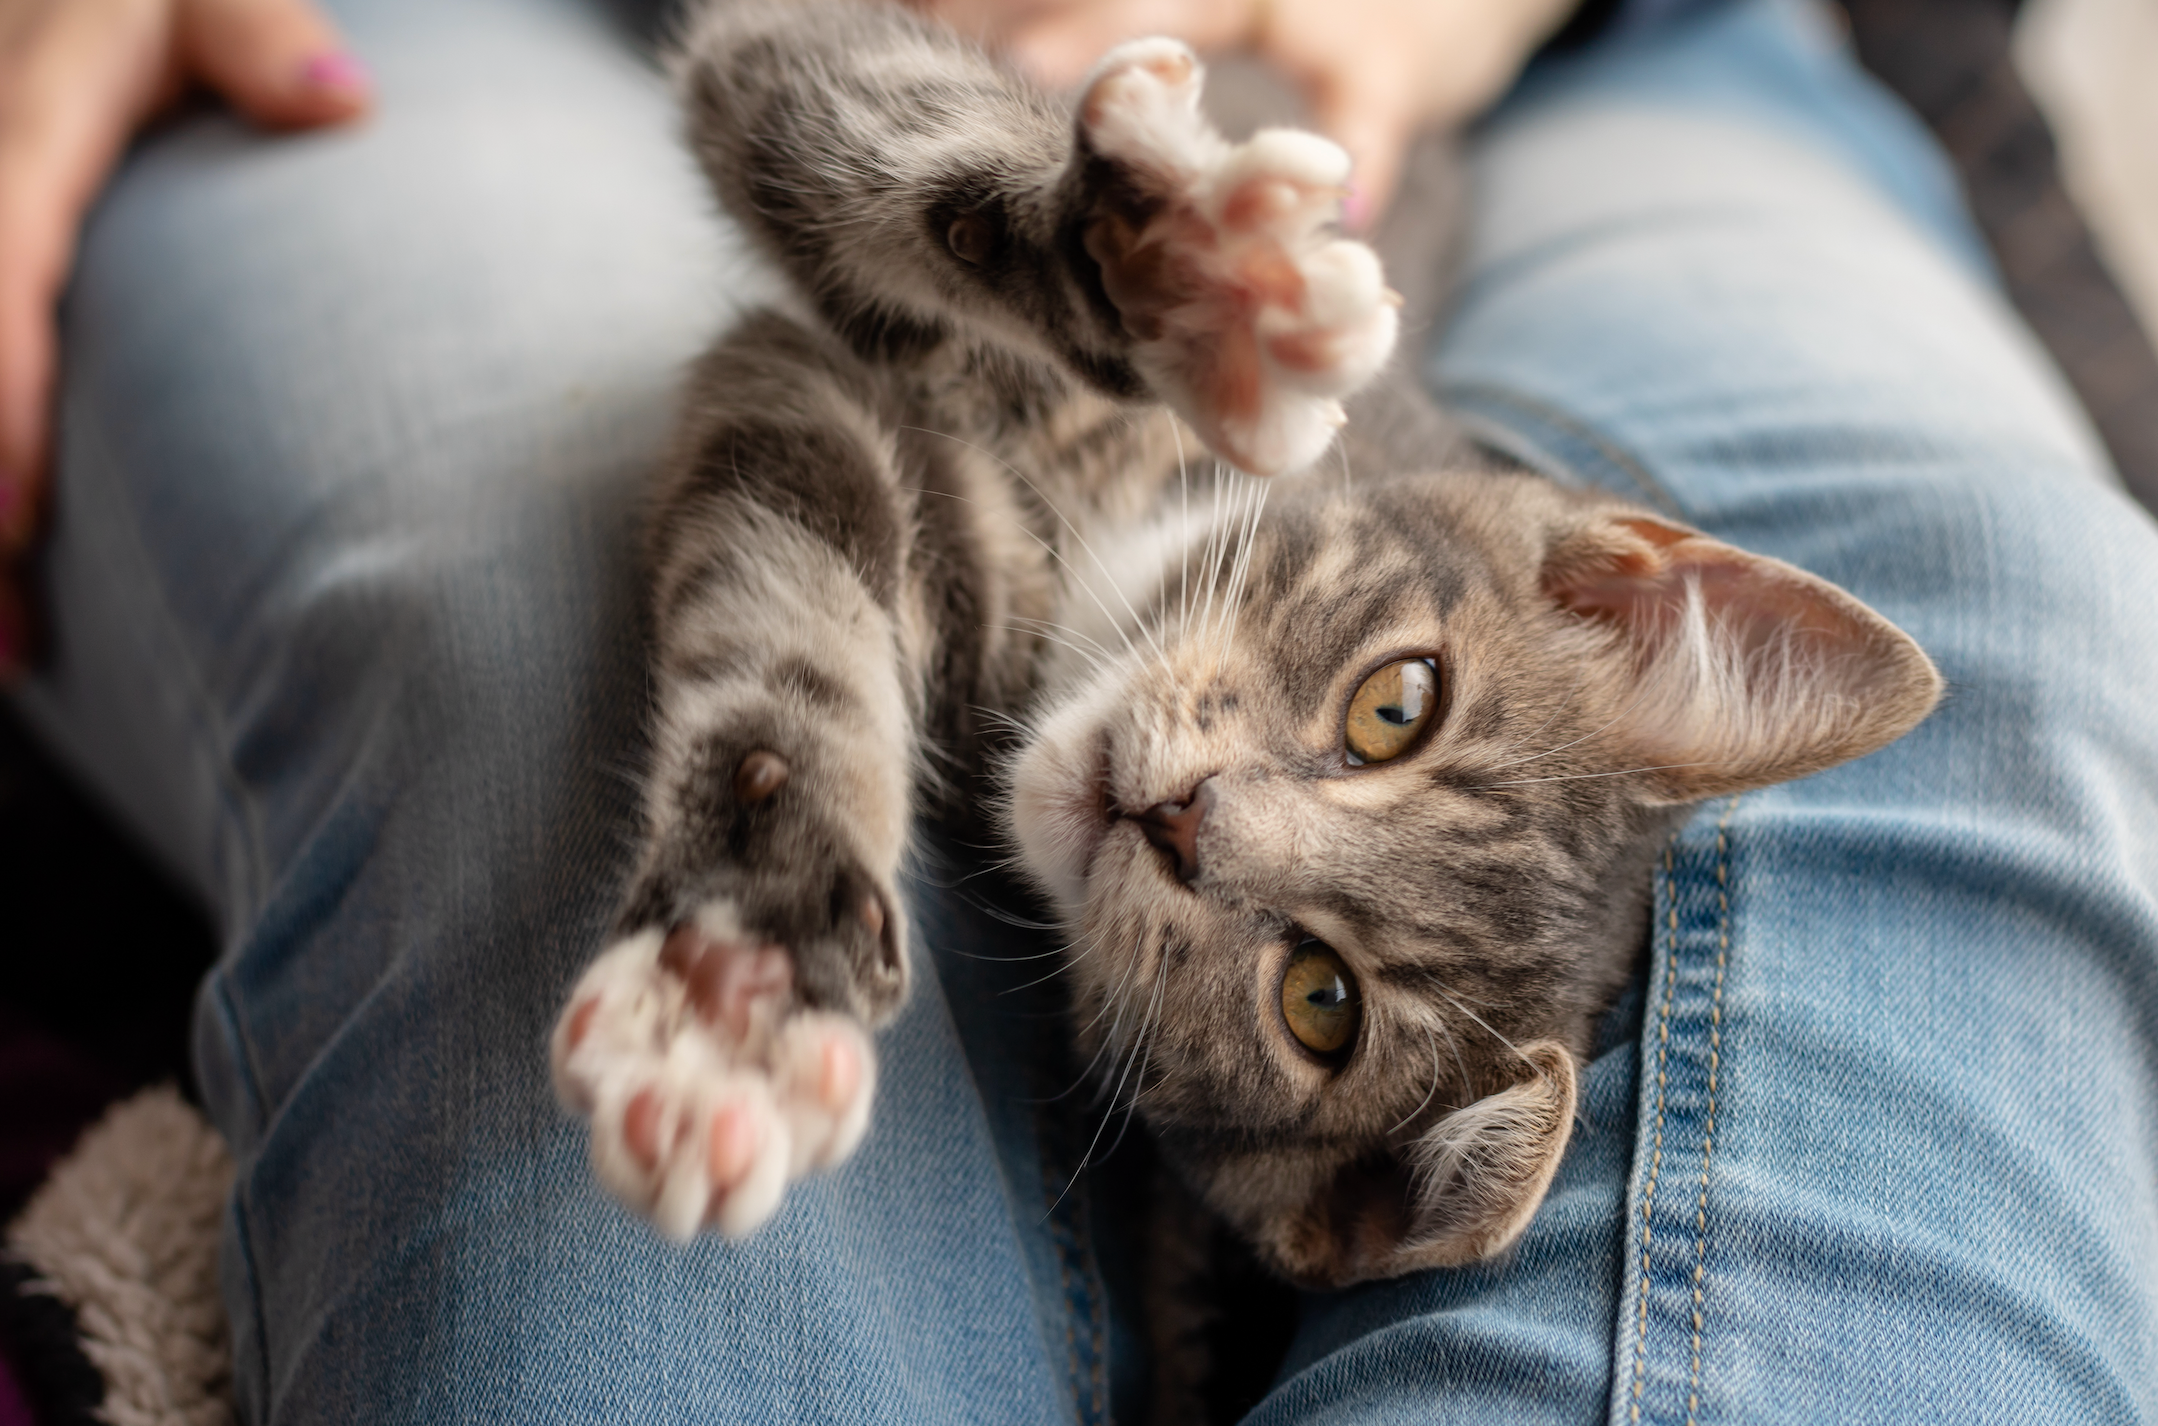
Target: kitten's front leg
(920, 195)
(719, 1043)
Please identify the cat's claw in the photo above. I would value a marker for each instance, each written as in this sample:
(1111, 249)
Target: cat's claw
(1252, 319)
(709, 1087)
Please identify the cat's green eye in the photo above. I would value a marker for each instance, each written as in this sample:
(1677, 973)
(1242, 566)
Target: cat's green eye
(1391, 708)
(1319, 1000)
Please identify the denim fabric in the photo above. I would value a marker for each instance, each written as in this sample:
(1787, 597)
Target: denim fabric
(355, 435)
(352, 438)
(1883, 1148)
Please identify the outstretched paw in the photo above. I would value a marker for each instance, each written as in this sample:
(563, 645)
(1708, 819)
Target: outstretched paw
(1252, 320)
(709, 1087)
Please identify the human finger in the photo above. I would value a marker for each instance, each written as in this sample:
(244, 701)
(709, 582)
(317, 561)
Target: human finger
(1375, 124)
(1058, 47)
(29, 285)
(282, 63)
(75, 79)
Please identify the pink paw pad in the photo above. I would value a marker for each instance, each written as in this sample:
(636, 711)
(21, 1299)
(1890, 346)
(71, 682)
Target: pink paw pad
(735, 988)
(1254, 320)
(708, 1087)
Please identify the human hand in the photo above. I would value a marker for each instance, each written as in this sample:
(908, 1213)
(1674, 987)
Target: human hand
(77, 78)
(1373, 71)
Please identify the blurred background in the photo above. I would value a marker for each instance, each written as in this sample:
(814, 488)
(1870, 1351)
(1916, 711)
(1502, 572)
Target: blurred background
(2093, 66)
(2050, 111)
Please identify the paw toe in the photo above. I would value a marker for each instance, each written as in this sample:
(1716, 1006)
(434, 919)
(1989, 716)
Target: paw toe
(1142, 107)
(641, 1128)
(747, 1157)
(826, 1074)
(1282, 178)
(614, 1015)
(732, 1143)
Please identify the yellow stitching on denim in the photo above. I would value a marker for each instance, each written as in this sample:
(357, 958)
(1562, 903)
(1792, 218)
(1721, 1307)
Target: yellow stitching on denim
(1648, 1197)
(1715, 1060)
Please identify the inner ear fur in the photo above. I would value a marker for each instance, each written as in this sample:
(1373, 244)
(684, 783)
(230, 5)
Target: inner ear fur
(1482, 1171)
(1733, 670)
(1464, 1190)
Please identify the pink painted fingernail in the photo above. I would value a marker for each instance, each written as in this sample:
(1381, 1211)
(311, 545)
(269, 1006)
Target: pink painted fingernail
(337, 70)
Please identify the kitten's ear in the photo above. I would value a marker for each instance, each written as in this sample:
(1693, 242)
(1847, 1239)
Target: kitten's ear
(1734, 670)
(1463, 1191)
(1480, 1173)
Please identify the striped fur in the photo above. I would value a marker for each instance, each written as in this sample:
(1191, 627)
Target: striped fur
(942, 493)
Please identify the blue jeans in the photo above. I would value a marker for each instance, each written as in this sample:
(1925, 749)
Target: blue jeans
(353, 432)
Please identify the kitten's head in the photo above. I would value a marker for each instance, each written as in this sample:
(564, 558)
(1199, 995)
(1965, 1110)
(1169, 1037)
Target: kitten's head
(1357, 846)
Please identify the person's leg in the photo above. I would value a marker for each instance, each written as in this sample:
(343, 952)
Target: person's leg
(1880, 1145)
(355, 437)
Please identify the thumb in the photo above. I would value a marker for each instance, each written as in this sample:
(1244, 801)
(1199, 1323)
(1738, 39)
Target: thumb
(1376, 130)
(280, 62)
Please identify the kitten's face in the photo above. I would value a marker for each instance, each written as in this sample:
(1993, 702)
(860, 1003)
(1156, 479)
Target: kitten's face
(1355, 852)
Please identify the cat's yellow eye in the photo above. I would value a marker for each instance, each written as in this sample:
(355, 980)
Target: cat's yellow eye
(1391, 708)
(1319, 1000)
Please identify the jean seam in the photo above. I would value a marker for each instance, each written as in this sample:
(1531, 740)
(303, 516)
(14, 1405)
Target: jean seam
(242, 1237)
(1715, 1063)
(209, 744)
(229, 1011)
(1518, 413)
(1648, 1198)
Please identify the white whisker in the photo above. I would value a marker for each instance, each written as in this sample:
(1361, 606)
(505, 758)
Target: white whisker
(1582, 776)
(1138, 1059)
(1509, 1044)
(1183, 481)
(1207, 555)
(1410, 1117)
(1648, 688)
(1051, 505)
(1095, 655)
(1055, 972)
(1051, 550)
(1579, 682)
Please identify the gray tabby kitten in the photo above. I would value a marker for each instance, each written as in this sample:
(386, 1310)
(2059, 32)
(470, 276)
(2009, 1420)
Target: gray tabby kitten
(1350, 810)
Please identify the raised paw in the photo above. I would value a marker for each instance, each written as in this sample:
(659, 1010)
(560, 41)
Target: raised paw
(709, 1087)
(1251, 318)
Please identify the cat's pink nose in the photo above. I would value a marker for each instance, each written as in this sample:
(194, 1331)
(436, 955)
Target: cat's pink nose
(1173, 827)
